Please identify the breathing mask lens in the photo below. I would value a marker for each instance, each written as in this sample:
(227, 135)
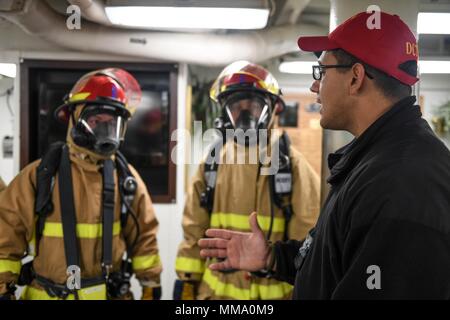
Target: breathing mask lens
(104, 127)
(247, 110)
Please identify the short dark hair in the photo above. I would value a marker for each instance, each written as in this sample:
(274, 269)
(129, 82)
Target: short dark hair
(389, 86)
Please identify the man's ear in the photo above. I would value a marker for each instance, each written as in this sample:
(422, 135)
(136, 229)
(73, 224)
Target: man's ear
(358, 73)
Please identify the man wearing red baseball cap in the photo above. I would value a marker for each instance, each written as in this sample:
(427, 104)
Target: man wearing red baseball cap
(384, 230)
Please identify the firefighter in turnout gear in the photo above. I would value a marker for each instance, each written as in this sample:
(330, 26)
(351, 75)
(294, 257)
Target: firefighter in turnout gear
(223, 194)
(82, 211)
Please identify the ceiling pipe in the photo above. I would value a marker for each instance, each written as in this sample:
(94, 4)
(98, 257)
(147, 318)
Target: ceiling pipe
(37, 18)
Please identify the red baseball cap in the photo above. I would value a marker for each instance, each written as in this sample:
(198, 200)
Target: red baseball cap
(392, 48)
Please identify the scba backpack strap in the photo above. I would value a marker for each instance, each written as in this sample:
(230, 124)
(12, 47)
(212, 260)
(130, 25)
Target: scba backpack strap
(211, 167)
(127, 186)
(281, 183)
(45, 182)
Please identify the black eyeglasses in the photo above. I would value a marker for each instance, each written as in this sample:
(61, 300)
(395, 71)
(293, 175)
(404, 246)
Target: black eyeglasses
(319, 70)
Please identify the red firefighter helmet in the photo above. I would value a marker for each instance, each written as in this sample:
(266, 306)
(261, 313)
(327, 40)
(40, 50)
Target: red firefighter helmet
(112, 87)
(244, 75)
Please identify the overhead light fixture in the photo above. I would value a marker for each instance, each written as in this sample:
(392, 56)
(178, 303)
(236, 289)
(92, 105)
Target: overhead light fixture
(8, 69)
(299, 67)
(429, 66)
(250, 14)
(433, 23)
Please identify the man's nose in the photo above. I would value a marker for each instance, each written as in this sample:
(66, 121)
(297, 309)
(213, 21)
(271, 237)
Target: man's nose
(315, 86)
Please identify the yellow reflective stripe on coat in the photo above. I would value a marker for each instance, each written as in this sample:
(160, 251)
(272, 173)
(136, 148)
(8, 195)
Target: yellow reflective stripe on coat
(275, 291)
(7, 265)
(91, 293)
(30, 293)
(84, 230)
(256, 291)
(146, 262)
(239, 221)
(224, 289)
(184, 264)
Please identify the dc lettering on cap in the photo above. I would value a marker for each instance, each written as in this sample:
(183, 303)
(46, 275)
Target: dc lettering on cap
(412, 49)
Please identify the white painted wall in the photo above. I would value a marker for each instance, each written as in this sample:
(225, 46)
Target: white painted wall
(6, 128)
(9, 125)
(435, 89)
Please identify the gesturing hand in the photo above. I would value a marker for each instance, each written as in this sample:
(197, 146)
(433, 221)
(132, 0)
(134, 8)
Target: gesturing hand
(241, 250)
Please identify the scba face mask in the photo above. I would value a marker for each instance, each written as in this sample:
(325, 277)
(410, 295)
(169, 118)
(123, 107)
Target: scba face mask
(100, 129)
(249, 112)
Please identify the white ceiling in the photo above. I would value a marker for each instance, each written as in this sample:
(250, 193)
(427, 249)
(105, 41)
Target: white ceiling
(284, 12)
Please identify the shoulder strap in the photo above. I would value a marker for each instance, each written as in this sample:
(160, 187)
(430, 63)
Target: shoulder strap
(122, 163)
(281, 182)
(108, 202)
(44, 175)
(45, 181)
(127, 186)
(211, 167)
(68, 216)
(285, 144)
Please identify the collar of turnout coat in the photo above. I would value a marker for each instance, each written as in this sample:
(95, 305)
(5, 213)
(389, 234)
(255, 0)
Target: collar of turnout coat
(344, 159)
